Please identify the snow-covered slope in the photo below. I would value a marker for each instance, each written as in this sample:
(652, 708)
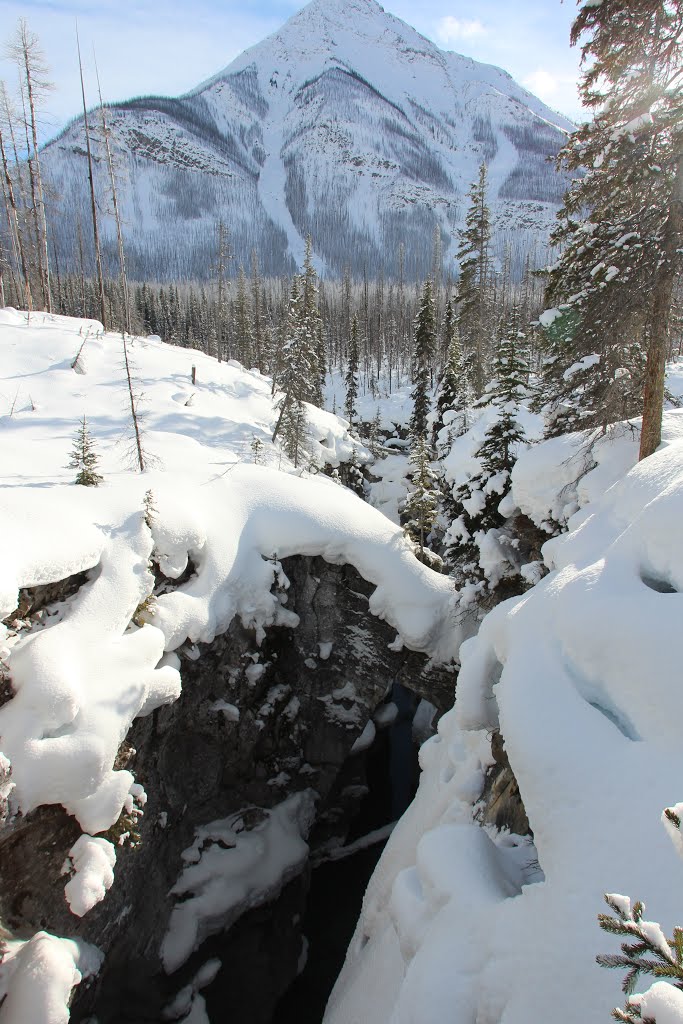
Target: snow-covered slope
(581, 676)
(346, 123)
(86, 666)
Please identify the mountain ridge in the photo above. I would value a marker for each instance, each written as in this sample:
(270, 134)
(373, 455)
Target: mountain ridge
(345, 124)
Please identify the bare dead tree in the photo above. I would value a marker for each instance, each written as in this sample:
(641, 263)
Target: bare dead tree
(11, 211)
(9, 118)
(26, 52)
(93, 204)
(106, 136)
(134, 414)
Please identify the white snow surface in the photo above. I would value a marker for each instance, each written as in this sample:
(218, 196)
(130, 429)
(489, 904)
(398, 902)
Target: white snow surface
(37, 977)
(82, 680)
(92, 860)
(88, 665)
(582, 676)
(662, 1003)
(231, 868)
(553, 480)
(189, 1005)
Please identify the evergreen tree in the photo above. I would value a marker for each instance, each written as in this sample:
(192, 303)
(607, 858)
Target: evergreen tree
(257, 450)
(456, 397)
(257, 329)
(352, 374)
(474, 298)
(449, 329)
(614, 281)
(351, 474)
(510, 368)
(293, 430)
(243, 321)
(422, 502)
(375, 440)
(84, 458)
(312, 323)
(423, 357)
(476, 501)
(150, 511)
(447, 396)
(646, 950)
(297, 378)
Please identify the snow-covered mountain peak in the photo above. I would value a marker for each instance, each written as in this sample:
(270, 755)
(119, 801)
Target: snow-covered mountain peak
(345, 124)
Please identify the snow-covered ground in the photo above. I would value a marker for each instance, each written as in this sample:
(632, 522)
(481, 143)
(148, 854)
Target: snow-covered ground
(582, 677)
(92, 663)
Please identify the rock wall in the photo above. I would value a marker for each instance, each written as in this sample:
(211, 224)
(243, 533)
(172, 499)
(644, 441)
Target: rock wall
(253, 725)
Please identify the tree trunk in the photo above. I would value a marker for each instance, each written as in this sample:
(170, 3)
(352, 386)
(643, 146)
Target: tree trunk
(655, 368)
(34, 220)
(96, 234)
(13, 224)
(117, 217)
(44, 261)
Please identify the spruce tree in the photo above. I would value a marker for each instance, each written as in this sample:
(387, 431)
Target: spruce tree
(614, 281)
(352, 374)
(257, 450)
(150, 510)
(84, 457)
(351, 474)
(312, 323)
(476, 501)
(448, 330)
(510, 367)
(474, 299)
(375, 439)
(423, 357)
(456, 397)
(297, 378)
(447, 396)
(645, 950)
(422, 502)
(243, 322)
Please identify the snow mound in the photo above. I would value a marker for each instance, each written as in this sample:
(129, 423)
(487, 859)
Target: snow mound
(553, 480)
(231, 868)
(80, 682)
(582, 677)
(92, 861)
(37, 977)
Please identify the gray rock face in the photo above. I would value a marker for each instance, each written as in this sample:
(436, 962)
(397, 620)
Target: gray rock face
(502, 804)
(252, 726)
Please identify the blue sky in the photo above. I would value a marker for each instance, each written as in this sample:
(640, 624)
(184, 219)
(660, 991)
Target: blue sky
(146, 46)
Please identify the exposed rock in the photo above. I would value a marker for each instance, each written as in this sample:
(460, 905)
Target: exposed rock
(33, 599)
(253, 725)
(501, 800)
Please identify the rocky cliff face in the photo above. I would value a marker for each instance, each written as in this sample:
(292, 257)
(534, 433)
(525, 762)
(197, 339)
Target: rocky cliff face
(253, 726)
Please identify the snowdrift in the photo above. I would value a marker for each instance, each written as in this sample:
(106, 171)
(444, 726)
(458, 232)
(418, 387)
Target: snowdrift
(582, 678)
